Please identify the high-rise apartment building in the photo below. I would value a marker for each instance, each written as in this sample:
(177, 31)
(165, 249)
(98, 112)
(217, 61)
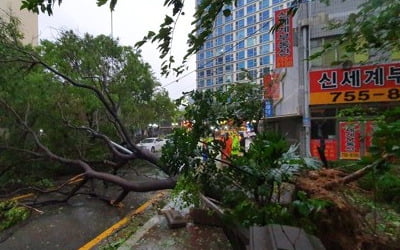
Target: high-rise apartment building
(29, 21)
(239, 41)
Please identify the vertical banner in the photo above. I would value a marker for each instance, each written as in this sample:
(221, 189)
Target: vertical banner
(283, 39)
(268, 108)
(349, 140)
(369, 131)
(272, 89)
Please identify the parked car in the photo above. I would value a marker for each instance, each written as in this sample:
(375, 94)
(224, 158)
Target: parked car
(152, 144)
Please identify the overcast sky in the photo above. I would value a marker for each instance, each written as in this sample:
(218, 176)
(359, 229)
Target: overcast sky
(131, 22)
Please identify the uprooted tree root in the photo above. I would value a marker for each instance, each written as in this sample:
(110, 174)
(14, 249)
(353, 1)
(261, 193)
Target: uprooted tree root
(342, 225)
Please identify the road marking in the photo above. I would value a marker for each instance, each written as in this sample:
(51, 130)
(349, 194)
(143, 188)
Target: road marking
(122, 222)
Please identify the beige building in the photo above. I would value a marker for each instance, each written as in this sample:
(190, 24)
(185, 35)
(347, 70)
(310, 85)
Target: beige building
(29, 20)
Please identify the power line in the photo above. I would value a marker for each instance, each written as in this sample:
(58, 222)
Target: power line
(224, 52)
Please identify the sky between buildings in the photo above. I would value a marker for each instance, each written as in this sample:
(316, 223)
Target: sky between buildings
(130, 21)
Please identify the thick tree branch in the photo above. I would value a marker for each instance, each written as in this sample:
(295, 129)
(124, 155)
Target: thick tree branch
(88, 172)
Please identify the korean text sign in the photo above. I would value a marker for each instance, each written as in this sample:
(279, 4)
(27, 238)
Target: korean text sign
(283, 39)
(373, 83)
(350, 147)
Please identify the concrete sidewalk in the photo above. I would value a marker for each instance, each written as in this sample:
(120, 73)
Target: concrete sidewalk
(156, 234)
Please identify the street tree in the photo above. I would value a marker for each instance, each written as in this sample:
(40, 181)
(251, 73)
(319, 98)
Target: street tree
(69, 101)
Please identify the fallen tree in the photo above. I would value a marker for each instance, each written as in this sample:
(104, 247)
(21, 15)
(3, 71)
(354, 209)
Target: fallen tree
(102, 83)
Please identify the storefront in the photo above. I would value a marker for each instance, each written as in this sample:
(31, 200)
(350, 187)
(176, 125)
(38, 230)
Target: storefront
(368, 89)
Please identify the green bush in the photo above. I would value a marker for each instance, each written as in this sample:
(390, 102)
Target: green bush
(11, 214)
(388, 188)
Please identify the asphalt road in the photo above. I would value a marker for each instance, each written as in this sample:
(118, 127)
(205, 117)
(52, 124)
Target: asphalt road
(71, 225)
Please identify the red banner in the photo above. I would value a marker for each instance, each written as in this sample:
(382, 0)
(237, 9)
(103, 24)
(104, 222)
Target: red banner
(283, 39)
(272, 87)
(349, 140)
(330, 149)
(373, 83)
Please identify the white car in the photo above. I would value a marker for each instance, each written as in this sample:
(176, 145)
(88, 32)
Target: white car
(152, 144)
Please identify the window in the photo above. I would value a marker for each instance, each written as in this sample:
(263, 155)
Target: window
(240, 3)
(228, 78)
(219, 50)
(251, 20)
(209, 53)
(228, 47)
(220, 31)
(265, 27)
(240, 65)
(251, 30)
(239, 13)
(252, 52)
(209, 72)
(209, 44)
(200, 74)
(264, 4)
(276, 1)
(264, 15)
(240, 24)
(219, 41)
(251, 9)
(220, 70)
(333, 55)
(228, 68)
(218, 20)
(264, 60)
(229, 38)
(220, 80)
(264, 38)
(251, 63)
(240, 35)
(219, 60)
(228, 58)
(240, 55)
(253, 74)
(264, 49)
(228, 28)
(200, 56)
(209, 82)
(200, 84)
(251, 41)
(240, 45)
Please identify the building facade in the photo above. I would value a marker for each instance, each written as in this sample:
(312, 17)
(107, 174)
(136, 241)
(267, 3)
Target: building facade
(303, 99)
(239, 41)
(367, 83)
(29, 21)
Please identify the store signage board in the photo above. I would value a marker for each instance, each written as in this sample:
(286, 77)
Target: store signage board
(350, 147)
(373, 83)
(268, 108)
(284, 39)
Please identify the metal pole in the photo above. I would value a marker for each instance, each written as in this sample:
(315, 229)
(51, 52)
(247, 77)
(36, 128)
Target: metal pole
(306, 67)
